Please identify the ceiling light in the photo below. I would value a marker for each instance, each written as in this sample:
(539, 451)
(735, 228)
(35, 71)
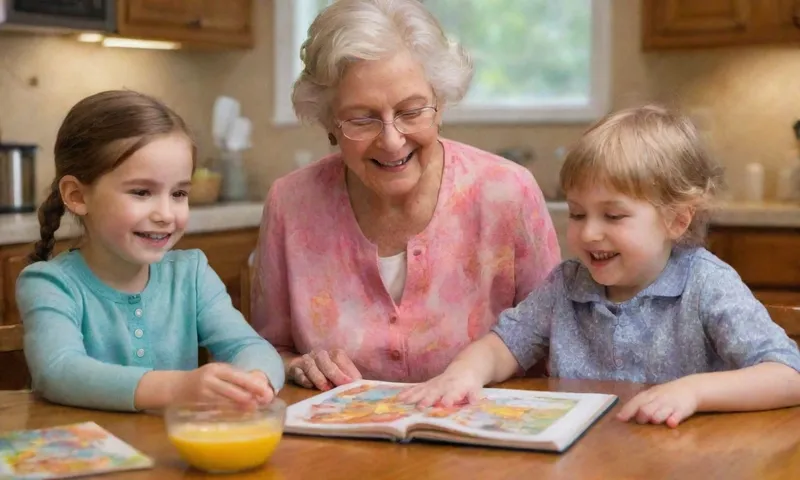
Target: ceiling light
(116, 42)
(89, 37)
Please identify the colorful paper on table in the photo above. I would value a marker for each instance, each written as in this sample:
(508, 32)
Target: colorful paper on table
(66, 451)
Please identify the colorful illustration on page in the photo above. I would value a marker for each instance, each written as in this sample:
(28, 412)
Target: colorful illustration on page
(362, 404)
(525, 416)
(378, 404)
(65, 451)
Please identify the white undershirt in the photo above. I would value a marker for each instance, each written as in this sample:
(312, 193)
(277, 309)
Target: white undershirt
(393, 274)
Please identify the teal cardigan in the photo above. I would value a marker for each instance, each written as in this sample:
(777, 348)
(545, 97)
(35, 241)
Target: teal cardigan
(88, 344)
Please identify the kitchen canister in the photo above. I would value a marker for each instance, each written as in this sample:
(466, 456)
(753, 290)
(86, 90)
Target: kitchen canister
(754, 182)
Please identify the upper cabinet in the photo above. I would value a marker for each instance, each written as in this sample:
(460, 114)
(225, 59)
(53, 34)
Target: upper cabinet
(717, 23)
(689, 23)
(198, 23)
(781, 21)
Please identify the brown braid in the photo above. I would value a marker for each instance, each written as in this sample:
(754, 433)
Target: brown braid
(50, 213)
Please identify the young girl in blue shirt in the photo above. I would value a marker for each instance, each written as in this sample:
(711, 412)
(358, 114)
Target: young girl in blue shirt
(116, 323)
(644, 301)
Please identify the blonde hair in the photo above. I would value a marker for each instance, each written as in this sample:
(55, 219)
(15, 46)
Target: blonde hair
(652, 154)
(349, 31)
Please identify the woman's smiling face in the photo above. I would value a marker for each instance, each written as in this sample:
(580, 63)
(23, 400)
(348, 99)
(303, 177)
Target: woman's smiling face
(392, 163)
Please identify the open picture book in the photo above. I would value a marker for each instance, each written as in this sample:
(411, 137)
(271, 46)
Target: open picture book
(66, 451)
(522, 419)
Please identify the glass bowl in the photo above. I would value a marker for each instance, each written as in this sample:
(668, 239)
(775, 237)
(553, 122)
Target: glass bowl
(224, 438)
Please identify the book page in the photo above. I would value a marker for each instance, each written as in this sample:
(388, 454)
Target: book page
(519, 417)
(364, 407)
(66, 451)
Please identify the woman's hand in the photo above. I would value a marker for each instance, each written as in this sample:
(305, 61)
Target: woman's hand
(453, 387)
(670, 403)
(219, 381)
(322, 370)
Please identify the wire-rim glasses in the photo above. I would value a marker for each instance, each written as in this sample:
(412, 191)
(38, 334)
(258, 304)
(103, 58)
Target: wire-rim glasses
(407, 122)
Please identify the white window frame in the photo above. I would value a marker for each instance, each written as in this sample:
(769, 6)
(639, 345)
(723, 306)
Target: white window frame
(289, 36)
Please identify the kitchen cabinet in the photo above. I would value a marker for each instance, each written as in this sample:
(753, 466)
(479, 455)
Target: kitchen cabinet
(767, 259)
(227, 253)
(669, 24)
(781, 22)
(209, 24)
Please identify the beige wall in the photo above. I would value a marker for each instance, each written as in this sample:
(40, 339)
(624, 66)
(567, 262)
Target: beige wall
(750, 96)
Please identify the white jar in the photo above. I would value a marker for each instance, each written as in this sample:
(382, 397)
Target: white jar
(754, 182)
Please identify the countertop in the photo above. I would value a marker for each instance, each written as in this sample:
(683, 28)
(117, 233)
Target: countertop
(24, 228)
(732, 214)
(757, 214)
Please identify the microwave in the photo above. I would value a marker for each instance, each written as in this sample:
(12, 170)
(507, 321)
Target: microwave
(59, 15)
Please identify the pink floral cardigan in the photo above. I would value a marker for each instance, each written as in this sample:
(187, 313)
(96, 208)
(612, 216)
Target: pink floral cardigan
(317, 285)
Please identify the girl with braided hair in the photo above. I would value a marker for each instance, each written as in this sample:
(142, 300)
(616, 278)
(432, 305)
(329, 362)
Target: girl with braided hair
(116, 323)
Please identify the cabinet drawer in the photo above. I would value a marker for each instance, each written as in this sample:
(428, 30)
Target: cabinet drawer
(180, 13)
(778, 297)
(209, 24)
(764, 259)
(227, 253)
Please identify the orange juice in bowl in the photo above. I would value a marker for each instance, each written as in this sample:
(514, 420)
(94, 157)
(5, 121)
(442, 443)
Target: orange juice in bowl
(223, 438)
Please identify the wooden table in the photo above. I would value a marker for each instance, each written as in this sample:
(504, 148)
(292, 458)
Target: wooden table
(763, 445)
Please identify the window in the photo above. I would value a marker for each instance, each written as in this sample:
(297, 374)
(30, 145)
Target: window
(292, 19)
(535, 60)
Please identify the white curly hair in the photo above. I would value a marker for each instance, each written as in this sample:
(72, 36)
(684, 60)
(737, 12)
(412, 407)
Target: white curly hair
(349, 31)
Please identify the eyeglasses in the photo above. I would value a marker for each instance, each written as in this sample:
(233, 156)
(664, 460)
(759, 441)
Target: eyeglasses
(408, 122)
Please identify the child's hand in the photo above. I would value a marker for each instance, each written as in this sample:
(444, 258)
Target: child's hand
(448, 389)
(262, 378)
(219, 381)
(669, 403)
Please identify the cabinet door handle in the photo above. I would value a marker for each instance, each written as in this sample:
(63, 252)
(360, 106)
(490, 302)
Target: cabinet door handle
(796, 13)
(198, 23)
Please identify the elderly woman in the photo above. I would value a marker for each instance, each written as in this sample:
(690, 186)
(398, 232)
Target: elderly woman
(386, 259)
